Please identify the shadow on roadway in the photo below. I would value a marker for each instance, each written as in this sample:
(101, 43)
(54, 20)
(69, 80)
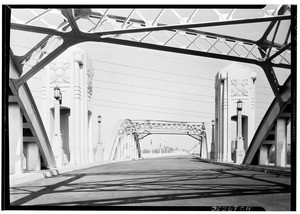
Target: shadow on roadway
(169, 185)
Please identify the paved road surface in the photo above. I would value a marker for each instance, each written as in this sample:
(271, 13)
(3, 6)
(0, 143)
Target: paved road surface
(169, 181)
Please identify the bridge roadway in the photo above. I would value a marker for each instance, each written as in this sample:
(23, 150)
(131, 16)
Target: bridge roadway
(165, 181)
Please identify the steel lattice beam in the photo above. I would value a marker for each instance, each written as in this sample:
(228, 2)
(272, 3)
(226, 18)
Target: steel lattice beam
(194, 25)
(73, 15)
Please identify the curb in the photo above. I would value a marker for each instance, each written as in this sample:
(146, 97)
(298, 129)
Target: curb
(264, 169)
(48, 173)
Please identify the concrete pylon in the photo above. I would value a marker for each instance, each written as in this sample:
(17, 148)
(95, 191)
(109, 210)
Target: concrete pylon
(232, 83)
(73, 73)
(15, 139)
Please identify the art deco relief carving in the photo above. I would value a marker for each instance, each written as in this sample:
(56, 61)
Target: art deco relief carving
(90, 76)
(239, 87)
(59, 72)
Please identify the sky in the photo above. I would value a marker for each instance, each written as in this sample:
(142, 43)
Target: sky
(140, 84)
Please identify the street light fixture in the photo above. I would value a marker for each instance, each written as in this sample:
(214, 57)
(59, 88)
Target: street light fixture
(100, 152)
(239, 152)
(57, 144)
(239, 105)
(212, 151)
(57, 93)
(99, 119)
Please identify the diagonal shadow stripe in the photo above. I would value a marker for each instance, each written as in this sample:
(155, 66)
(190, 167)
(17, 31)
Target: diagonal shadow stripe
(44, 191)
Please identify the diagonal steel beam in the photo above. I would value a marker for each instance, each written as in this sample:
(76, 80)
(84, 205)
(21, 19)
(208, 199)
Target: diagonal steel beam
(195, 25)
(69, 39)
(178, 50)
(68, 13)
(31, 113)
(101, 20)
(40, 44)
(143, 135)
(43, 63)
(155, 20)
(271, 76)
(268, 30)
(95, 37)
(273, 39)
(279, 52)
(191, 31)
(195, 137)
(35, 29)
(285, 66)
(38, 16)
(268, 121)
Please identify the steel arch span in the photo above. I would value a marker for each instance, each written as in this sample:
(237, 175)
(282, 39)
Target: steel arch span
(127, 140)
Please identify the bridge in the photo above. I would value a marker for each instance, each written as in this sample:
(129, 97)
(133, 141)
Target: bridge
(69, 51)
(131, 132)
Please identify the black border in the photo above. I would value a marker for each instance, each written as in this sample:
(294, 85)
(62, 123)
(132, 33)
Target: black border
(294, 107)
(6, 12)
(147, 6)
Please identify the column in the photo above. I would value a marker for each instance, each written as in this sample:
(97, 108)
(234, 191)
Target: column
(212, 149)
(76, 114)
(239, 152)
(225, 121)
(33, 161)
(263, 158)
(57, 144)
(204, 146)
(99, 147)
(83, 116)
(221, 116)
(280, 142)
(15, 126)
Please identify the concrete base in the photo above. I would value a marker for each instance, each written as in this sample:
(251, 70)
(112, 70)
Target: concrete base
(281, 143)
(33, 160)
(212, 156)
(239, 156)
(15, 126)
(263, 158)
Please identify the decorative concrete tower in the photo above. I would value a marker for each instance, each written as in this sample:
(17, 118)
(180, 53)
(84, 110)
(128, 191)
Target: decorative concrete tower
(73, 73)
(234, 83)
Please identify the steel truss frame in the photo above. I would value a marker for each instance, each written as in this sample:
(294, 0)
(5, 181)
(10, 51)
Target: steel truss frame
(263, 52)
(68, 33)
(143, 128)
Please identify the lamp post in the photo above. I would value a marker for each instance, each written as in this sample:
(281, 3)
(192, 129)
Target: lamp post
(57, 141)
(99, 119)
(212, 150)
(239, 152)
(239, 118)
(203, 143)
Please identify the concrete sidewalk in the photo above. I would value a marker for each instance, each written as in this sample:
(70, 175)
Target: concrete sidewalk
(17, 179)
(286, 171)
